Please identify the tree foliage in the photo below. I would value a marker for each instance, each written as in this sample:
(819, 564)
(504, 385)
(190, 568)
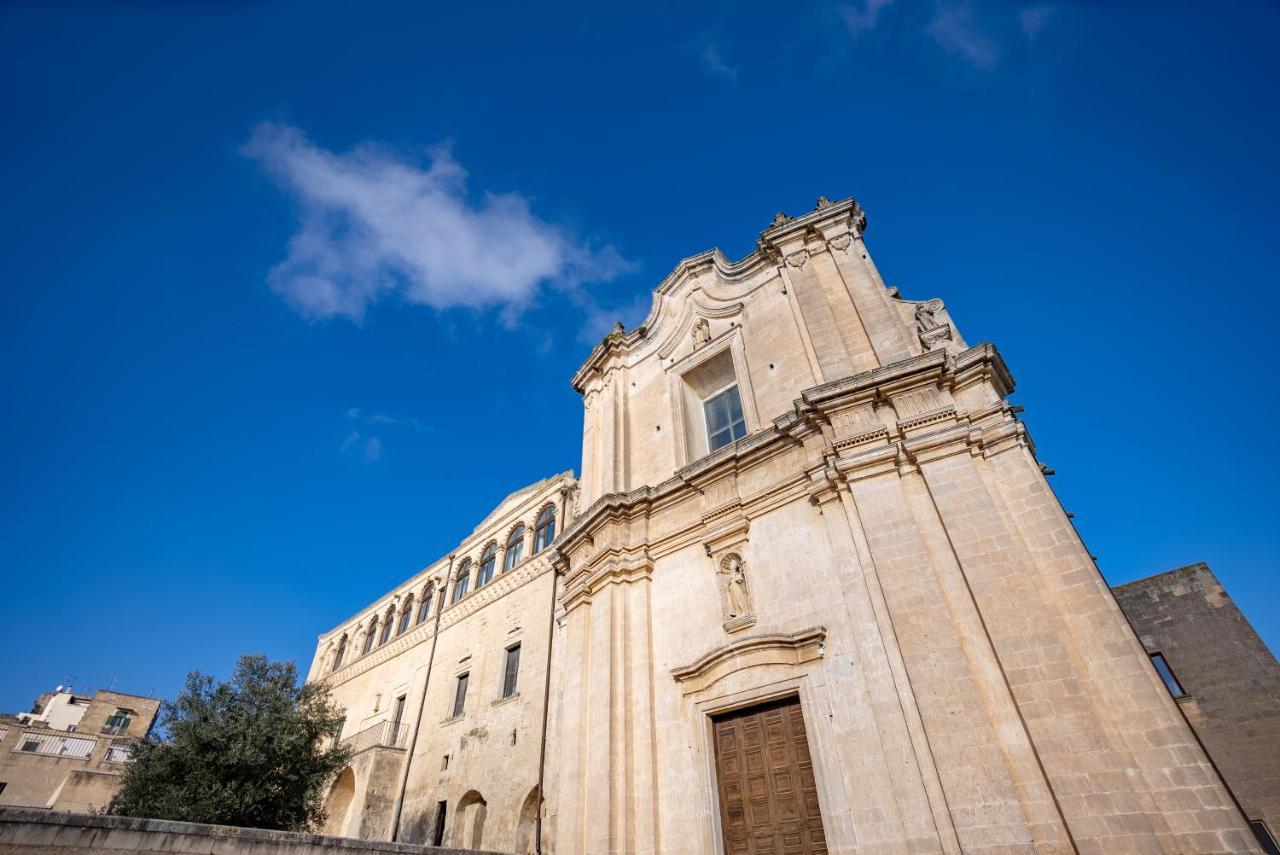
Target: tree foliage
(255, 752)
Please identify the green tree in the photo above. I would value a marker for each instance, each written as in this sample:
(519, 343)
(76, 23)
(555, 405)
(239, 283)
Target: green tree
(254, 752)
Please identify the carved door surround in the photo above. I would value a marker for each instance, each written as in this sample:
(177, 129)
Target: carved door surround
(751, 671)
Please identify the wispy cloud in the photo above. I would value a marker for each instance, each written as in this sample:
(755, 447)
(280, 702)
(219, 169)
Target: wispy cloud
(363, 441)
(955, 28)
(375, 225)
(713, 63)
(861, 15)
(1033, 18)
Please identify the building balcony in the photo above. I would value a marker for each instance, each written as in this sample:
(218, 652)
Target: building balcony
(386, 734)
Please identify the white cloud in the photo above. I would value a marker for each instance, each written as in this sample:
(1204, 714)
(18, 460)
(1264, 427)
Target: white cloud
(374, 225)
(955, 29)
(713, 63)
(862, 15)
(1033, 19)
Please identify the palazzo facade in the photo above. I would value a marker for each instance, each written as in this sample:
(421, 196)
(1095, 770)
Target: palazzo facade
(810, 593)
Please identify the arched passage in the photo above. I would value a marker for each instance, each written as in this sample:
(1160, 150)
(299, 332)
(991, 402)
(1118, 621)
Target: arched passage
(469, 824)
(527, 827)
(338, 804)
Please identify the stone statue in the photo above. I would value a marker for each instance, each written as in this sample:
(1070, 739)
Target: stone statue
(927, 316)
(737, 602)
(701, 333)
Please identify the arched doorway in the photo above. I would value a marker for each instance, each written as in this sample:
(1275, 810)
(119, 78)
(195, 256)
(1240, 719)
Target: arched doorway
(527, 827)
(469, 825)
(338, 804)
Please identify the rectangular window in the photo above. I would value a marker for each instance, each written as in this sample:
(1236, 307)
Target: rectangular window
(460, 696)
(512, 670)
(398, 716)
(118, 723)
(725, 423)
(1166, 674)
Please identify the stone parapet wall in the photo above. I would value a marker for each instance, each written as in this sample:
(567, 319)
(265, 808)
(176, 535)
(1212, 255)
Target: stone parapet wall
(28, 832)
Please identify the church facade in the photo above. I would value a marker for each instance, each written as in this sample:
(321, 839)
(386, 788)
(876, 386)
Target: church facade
(810, 593)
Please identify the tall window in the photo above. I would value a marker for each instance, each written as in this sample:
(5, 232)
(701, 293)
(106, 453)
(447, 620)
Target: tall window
(515, 548)
(724, 418)
(511, 672)
(1166, 674)
(115, 724)
(487, 559)
(424, 608)
(339, 653)
(463, 581)
(544, 530)
(388, 624)
(371, 635)
(406, 615)
(460, 695)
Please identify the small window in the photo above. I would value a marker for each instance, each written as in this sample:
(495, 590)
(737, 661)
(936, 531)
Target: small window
(444, 763)
(406, 616)
(117, 723)
(487, 560)
(511, 672)
(424, 608)
(71, 728)
(339, 653)
(371, 635)
(460, 695)
(463, 581)
(1260, 831)
(725, 423)
(515, 549)
(388, 624)
(2, 786)
(1166, 674)
(30, 745)
(545, 530)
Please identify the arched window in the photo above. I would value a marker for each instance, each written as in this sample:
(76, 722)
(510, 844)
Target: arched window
(424, 608)
(462, 581)
(339, 653)
(487, 559)
(515, 548)
(388, 624)
(544, 531)
(406, 615)
(371, 635)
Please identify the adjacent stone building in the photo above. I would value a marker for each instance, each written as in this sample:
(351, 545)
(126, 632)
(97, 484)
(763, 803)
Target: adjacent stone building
(68, 753)
(811, 593)
(1224, 678)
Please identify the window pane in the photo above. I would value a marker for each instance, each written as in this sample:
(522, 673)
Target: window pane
(724, 418)
(512, 671)
(460, 697)
(1166, 674)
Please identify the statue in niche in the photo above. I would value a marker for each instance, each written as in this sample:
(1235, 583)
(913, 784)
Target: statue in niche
(733, 586)
(701, 333)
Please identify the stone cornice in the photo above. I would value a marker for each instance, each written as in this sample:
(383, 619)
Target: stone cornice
(775, 648)
(829, 220)
(807, 418)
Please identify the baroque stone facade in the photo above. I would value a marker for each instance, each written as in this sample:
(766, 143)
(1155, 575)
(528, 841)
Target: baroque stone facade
(814, 594)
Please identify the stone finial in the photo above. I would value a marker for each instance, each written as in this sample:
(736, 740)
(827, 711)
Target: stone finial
(823, 202)
(780, 219)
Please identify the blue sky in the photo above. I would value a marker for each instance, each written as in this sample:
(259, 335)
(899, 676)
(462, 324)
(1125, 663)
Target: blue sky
(293, 291)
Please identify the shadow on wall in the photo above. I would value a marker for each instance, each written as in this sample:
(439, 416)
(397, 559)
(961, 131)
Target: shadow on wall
(338, 806)
(468, 828)
(528, 826)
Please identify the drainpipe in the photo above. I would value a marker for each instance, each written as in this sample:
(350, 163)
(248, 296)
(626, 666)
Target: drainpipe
(422, 703)
(546, 686)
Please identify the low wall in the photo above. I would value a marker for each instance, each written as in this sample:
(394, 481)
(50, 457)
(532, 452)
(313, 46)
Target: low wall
(24, 831)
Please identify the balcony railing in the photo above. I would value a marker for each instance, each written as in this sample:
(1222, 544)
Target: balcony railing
(386, 734)
(34, 742)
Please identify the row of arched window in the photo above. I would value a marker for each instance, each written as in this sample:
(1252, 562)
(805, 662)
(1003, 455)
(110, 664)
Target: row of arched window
(383, 628)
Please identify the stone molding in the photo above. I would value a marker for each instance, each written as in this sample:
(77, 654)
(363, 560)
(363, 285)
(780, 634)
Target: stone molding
(776, 648)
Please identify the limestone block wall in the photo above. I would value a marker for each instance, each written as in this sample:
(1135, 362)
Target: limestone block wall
(1230, 678)
(28, 832)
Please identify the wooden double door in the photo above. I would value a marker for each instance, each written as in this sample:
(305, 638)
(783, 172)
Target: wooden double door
(768, 799)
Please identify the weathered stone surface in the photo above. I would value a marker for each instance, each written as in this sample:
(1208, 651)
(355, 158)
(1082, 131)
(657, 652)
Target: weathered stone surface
(27, 832)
